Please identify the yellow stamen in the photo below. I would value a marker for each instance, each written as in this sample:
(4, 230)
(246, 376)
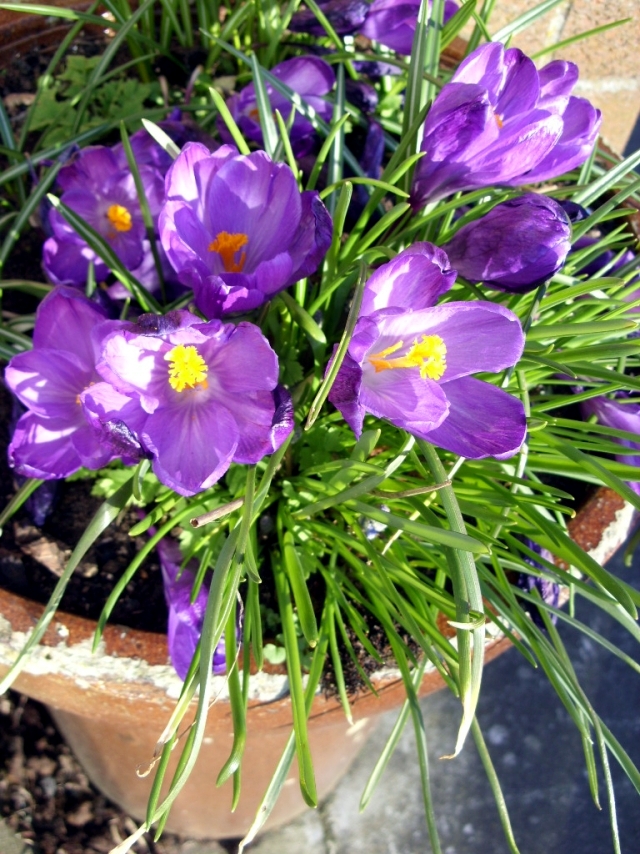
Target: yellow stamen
(226, 245)
(119, 217)
(499, 121)
(187, 368)
(429, 355)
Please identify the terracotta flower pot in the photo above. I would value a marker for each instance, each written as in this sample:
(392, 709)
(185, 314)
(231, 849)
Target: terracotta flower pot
(112, 706)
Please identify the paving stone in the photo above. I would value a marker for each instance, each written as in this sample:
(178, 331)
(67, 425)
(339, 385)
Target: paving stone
(305, 835)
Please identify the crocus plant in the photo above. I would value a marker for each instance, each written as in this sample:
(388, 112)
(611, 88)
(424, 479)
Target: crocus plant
(370, 322)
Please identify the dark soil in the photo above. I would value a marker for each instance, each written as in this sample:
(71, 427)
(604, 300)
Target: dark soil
(45, 795)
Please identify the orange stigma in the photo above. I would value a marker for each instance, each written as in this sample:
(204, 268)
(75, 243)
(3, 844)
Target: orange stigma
(429, 355)
(226, 245)
(119, 217)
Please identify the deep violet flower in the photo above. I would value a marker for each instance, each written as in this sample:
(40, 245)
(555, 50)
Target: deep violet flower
(361, 95)
(516, 246)
(185, 617)
(53, 439)
(102, 191)
(608, 258)
(409, 360)
(548, 589)
(236, 228)
(310, 77)
(195, 396)
(345, 16)
(621, 414)
(393, 22)
(501, 121)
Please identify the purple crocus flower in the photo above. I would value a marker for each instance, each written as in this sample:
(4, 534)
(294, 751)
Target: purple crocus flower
(53, 439)
(516, 246)
(102, 191)
(501, 121)
(236, 228)
(620, 414)
(393, 22)
(409, 360)
(310, 77)
(195, 396)
(607, 258)
(548, 589)
(185, 617)
(345, 16)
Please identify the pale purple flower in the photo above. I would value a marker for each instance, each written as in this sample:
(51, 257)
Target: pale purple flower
(185, 617)
(515, 247)
(102, 191)
(620, 414)
(193, 396)
(53, 439)
(501, 121)
(393, 22)
(308, 76)
(236, 228)
(409, 361)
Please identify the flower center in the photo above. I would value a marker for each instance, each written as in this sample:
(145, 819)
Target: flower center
(226, 245)
(429, 355)
(187, 368)
(119, 217)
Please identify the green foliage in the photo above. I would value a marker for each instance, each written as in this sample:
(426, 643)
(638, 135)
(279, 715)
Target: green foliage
(56, 110)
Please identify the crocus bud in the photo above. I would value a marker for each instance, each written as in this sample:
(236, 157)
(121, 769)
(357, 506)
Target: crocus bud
(515, 247)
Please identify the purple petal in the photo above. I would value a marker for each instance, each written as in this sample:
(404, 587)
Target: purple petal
(557, 80)
(483, 421)
(42, 447)
(117, 419)
(262, 425)
(180, 181)
(345, 394)
(313, 237)
(254, 196)
(66, 262)
(413, 280)
(345, 16)
(65, 309)
(479, 336)
(192, 445)
(246, 363)
(48, 382)
(402, 396)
